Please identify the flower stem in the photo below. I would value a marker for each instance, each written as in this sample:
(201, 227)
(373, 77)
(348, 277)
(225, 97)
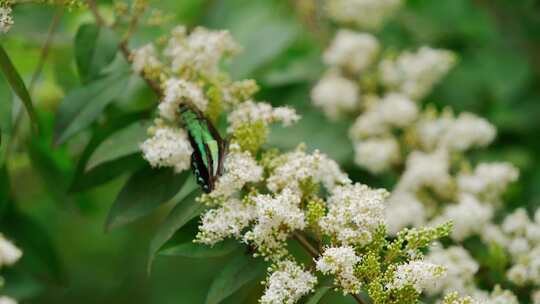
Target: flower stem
(123, 46)
(315, 253)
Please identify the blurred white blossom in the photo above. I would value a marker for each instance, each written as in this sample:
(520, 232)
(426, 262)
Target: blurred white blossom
(335, 95)
(145, 60)
(250, 112)
(368, 14)
(352, 51)
(9, 253)
(377, 154)
(403, 210)
(415, 74)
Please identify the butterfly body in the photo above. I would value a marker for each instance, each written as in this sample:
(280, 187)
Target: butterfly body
(208, 147)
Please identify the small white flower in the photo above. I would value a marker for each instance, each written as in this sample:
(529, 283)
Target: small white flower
(226, 221)
(518, 274)
(6, 20)
(493, 234)
(168, 147)
(287, 284)
(335, 95)
(368, 14)
(240, 169)
(352, 50)
(354, 213)
(377, 154)
(145, 59)
(178, 91)
(250, 112)
(341, 262)
(9, 253)
(276, 217)
(415, 74)
(418, 274)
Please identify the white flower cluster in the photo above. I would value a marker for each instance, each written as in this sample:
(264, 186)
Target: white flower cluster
(368, 14)
(145, 60)
(240, 169)
(201, 51)
(418, 274)
(341, 262)
(455, 134)
(488, 179)
(293, 169)
(178, 91)
(354, 212)
(352, 51)
(287, 284)
(497, 296)
(6, 20)
(276, 218)
(189, 67)
(469, 217)
(250, 112)
(336, 95)
(415, 74)
(167, 147)
(9, 255)
(460, 270)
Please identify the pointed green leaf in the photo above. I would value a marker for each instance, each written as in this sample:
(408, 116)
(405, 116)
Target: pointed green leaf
(6, 108)
(17, 85)
(144, 191)
(95, 48)
(82, 106)
(318, 295)
(186, 210)
(194, 250)
(238, 272)
(122, 143)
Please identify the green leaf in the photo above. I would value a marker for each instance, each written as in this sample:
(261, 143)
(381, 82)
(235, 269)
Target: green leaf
(144, 191)
(95, 48)
(86, 179)
(82, 106)
(194, 250)
(6, 110)
(122, 143)
(318, 295)
(237, 273)
(18, 86)
(182, 213)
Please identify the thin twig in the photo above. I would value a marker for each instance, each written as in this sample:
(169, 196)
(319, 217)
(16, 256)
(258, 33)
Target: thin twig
(123, 46)
(315, 253)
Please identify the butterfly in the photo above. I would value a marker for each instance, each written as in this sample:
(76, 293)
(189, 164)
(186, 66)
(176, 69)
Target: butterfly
(209, 149)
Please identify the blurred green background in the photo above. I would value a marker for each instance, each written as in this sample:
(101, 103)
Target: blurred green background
(498, 77)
